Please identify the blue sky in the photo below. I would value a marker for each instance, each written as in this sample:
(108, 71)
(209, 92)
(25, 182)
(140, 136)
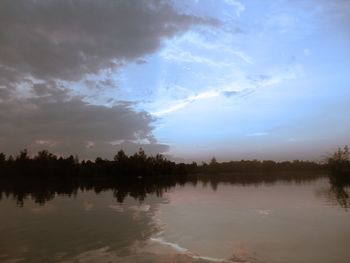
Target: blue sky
(272, 79)
(246, 79)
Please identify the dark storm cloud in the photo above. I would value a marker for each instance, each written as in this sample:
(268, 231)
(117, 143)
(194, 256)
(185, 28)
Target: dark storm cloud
(9, 78)
(66, 39)
(71, 126)
(50, 118)
(45, 43)
(100, 84)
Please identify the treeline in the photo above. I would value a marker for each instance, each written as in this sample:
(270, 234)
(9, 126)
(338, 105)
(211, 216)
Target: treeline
(43, 176)
(139, 164)
(258, 166)
(122, 165)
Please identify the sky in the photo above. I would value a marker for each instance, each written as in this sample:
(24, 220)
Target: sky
(191, 79)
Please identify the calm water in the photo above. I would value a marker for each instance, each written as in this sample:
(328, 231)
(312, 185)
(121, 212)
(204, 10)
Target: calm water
(279, 222)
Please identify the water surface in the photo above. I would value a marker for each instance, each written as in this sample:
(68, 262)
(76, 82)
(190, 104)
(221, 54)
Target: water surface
(261, 222)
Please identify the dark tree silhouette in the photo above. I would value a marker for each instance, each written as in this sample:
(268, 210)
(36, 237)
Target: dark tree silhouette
(339, 163)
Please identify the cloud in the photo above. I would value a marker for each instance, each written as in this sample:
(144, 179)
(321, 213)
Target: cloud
(181, 56)
(49, 47)
(141, 61)
(243, 56)
(237, 90)
(54, 120)
(100, 84)
(237, 5)
(229, 93)
(183, 103)
(65, 39)
(206, 52)
(257, 134)
(293, 71)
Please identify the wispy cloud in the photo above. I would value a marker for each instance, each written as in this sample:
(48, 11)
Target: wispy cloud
(208, 94)
(243, 56)
(257, 134)
(240, 89)
(178, 55)
(292, 73)
(239, 7)
(183, 103)
(223, 47)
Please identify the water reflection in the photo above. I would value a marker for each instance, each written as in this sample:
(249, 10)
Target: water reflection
(281, 222)
(337, 192)
(237, 218)
(65, 227)
(341, 194)
(43, 189)
(340, 188)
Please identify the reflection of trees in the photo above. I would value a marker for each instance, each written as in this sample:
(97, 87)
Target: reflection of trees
(339, 187)
(341, 196)
(338, 164)
(43, 176)
(338, 192)
(42, 189)
(46, 189)
(55, 228)
(337, 195)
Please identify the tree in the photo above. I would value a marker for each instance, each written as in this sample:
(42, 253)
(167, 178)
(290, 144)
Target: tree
(2, 157)
(339, 161)
(45, 155)
(340, 156)
(120, 156)
(213, 161)
(23, 155)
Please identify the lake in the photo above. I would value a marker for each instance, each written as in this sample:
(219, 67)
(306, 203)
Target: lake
(280, 221)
